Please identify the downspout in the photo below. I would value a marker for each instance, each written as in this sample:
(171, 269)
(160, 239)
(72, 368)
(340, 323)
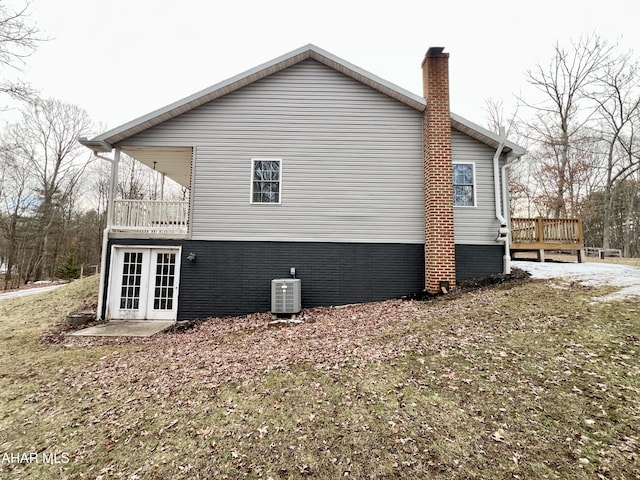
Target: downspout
(505, 200)
(105, 235)
(503, 231)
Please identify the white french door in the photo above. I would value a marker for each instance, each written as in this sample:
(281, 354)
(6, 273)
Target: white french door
(144, 283)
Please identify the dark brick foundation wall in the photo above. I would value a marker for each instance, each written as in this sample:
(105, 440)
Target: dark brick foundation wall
(233, 278)
(473, 261)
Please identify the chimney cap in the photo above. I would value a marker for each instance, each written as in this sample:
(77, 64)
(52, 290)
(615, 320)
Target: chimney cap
(436, 52)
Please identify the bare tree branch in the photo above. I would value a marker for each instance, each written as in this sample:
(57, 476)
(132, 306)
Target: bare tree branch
(561, 119)
(18, 40)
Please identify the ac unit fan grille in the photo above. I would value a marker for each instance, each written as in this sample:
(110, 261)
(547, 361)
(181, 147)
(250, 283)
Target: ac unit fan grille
(285, 296)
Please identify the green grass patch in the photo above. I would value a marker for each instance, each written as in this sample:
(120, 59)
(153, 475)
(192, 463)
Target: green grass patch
(516, 381)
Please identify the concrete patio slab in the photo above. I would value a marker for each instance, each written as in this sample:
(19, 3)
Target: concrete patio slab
(124, 328)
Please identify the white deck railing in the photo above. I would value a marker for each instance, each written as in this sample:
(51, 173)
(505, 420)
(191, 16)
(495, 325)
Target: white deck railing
(151, 216)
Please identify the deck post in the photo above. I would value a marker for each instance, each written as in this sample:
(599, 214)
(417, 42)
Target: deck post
(540, 237)
(113, 182)
(581, 254)
(539, 230)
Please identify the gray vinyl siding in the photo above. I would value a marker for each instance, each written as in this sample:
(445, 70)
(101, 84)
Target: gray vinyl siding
(476, 225)
(352, 168)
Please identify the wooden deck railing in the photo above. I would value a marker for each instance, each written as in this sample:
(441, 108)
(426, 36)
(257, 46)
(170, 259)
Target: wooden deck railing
(151, 216)
(547, 230)
(540, 234)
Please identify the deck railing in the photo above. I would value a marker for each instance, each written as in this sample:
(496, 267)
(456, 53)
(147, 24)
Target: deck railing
(547, 230)
(151, 216)
(540, 234)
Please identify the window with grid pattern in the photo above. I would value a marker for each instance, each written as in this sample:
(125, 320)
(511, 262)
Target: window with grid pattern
(464, 185)
(164, 282)
(265, 181)
(131, 281)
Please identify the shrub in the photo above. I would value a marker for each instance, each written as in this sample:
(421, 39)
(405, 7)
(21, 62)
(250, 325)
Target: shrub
(70, 268)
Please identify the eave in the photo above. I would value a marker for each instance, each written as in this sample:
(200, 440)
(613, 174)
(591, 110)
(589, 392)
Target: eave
(485, 136)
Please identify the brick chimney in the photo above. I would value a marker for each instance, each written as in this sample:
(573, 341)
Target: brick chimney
(440, 262)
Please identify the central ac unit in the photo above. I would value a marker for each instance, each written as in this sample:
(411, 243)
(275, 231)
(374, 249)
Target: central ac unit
(285, 296)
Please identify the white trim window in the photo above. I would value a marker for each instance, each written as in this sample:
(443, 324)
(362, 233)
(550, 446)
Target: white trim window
(266, 180)
(464, 185)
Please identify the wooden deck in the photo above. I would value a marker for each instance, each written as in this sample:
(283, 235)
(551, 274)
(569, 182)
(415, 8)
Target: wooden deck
(547, 234)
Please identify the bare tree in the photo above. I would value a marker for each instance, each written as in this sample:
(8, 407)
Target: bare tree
(18, 199)
(497, 118)
(559, 119)
(18, 40)
(134, 179)
(46, 139)
(617, 96)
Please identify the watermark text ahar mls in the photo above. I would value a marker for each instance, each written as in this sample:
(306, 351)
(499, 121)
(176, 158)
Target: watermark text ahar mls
(50, 458)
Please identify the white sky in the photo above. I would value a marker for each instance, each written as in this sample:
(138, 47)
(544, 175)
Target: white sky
(120, 59)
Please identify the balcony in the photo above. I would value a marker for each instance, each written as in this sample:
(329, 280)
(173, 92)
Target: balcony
(545, 234)
(159, 217)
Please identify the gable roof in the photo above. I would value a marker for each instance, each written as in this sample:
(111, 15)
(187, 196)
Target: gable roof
(105, 141)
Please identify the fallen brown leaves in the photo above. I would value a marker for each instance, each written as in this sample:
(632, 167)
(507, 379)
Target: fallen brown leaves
(508, 382)
(220, 350)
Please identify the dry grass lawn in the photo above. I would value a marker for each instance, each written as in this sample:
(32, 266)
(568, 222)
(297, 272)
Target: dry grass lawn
(522, 380)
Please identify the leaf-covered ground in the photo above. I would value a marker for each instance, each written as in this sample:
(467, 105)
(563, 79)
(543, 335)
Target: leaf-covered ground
(520, 380)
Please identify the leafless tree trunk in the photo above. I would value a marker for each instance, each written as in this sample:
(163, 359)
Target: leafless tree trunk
(617, 95)
(562, 114)
(46, 138)
(17, 196)
(133, 179)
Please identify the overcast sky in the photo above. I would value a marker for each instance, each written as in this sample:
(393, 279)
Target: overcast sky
(120, 59)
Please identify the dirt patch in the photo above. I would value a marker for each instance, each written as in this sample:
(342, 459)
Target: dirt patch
(57, 334)
(470, 284)
(183, 326)
(517, 275)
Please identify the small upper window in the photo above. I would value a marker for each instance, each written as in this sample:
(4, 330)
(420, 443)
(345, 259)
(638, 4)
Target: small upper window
(464, 185)
(265, 180)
